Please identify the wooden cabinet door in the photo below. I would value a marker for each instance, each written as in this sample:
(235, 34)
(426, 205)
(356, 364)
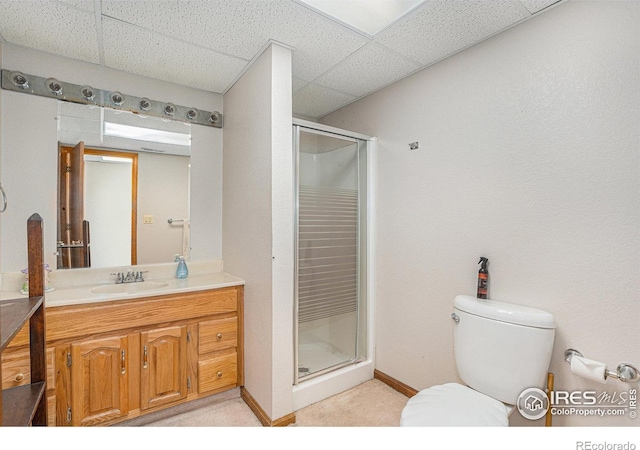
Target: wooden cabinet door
(164, 366)
(99, 379)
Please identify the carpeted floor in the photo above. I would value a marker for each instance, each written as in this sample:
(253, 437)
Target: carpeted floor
(371, 404)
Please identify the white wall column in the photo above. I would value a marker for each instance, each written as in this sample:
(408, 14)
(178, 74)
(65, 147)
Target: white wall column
(258, 222)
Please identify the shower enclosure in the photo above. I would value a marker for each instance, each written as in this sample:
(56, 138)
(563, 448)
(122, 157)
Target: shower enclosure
(331, 316)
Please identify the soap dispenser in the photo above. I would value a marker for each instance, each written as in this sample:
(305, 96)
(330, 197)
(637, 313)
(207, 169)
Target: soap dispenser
(182, 271)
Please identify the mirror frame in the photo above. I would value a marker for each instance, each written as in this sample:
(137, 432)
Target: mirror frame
(65, 148)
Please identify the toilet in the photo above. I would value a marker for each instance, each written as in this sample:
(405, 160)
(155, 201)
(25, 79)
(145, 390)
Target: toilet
(500, 350)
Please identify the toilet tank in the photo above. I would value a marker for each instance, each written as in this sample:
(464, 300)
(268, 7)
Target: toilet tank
(501, 349)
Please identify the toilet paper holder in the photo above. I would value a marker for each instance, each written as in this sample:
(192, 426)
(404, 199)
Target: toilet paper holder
(624, 372)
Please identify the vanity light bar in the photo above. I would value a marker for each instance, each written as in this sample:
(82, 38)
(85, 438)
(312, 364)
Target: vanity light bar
(50, 87)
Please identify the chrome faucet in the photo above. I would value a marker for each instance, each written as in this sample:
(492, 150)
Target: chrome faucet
(139, 277)
(129, 277)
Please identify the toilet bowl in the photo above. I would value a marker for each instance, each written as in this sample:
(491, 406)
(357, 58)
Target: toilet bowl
(500, 350)
(453, 404)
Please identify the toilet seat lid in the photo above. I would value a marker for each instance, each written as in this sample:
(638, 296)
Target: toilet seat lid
(453, 404)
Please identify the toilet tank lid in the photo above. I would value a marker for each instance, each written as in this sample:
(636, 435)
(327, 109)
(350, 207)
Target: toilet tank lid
(505, 312)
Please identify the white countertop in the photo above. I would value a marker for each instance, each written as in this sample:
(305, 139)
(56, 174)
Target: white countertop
(79, 287)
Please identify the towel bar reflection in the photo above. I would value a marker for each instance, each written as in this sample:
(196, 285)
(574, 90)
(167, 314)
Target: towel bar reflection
(4, 199)
(624, 372)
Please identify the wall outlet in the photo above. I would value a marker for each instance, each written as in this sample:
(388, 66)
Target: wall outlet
(147, 219)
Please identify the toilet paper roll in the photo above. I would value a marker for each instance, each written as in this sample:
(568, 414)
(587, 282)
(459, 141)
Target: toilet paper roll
(589, 369)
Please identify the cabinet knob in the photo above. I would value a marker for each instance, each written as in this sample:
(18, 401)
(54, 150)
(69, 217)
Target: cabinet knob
(219, 336)
(219, 374)
(19, 378)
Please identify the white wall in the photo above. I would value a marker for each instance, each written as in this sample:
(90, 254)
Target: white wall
(29, 152)
(1, 196)
(258, 222)
(528, 156)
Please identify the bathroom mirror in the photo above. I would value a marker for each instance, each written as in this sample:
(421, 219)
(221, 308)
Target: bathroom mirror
(123, 188)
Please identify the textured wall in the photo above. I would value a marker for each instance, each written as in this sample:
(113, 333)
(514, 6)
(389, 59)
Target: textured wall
(528, 156)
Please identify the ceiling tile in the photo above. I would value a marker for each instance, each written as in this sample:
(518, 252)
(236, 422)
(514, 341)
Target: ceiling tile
(319, 43)
(367, 16)
(367, 70)
(242, 27)
(167, 59)
(316, 101)
(231, 27)
(441, 28)
(87, 5)
(51, 27)
(321, 47)
(533, 6)
(298, 84)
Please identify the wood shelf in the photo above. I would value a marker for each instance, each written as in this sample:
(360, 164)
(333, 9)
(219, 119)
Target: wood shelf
(26, 405)
(19, 404)
(13, 315)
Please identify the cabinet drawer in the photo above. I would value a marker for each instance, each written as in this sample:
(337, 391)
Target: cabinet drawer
(218, 372)
(16, 368)
(217, 335)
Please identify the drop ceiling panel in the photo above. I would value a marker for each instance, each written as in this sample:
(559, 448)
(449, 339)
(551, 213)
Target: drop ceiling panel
(233, 27)
(440, 28)
(242, 28)
(537, 5)
(314, 100)
(51, 27)
(167, 59)
(367, 16)
(87, 5)
(298, 84)
(368, 70)
(319, 46)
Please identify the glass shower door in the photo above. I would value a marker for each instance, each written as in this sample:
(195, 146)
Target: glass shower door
(330, 236)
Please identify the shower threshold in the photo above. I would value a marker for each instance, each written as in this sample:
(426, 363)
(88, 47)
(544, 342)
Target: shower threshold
(304, 373)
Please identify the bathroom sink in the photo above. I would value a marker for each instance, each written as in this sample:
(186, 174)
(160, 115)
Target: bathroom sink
(129, 288)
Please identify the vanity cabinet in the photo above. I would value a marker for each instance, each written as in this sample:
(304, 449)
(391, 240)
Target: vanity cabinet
(164, 366)
(99, 379)
(117, 360)
(217, 349)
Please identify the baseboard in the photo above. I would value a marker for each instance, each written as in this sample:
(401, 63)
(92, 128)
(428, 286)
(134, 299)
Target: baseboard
(395, 384)
(262, 416)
